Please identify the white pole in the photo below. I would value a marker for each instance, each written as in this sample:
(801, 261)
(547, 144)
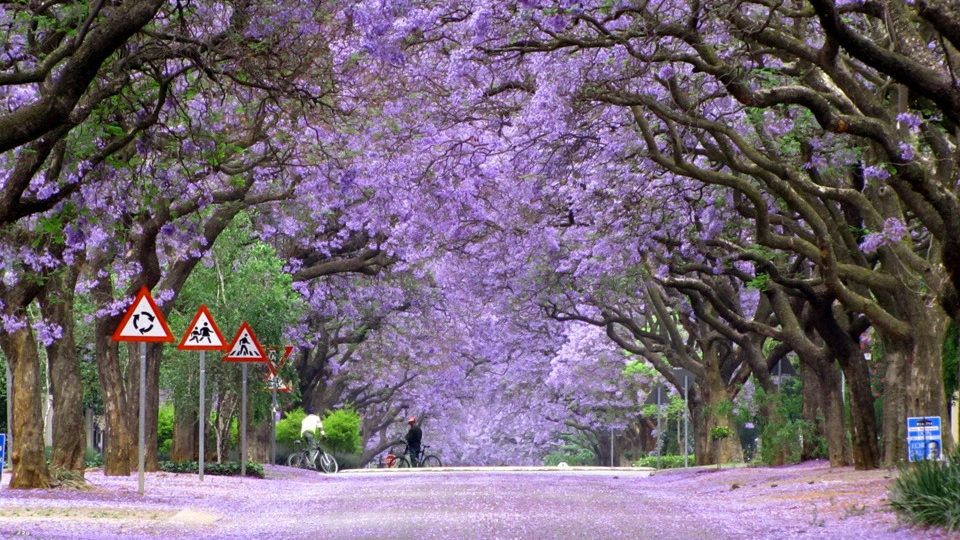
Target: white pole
(141, 450)
(202, 416)
(243, 425)
(273, 426)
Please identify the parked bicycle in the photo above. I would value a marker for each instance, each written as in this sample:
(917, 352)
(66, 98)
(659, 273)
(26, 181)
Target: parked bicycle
(403, 460)
(313, 457)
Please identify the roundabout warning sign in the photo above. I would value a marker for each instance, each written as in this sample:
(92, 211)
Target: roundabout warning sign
(143, 321)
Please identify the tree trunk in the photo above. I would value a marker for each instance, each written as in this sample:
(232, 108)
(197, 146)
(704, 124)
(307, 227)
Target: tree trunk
(712, 410)
(185, 434)
(813, 409)
(117, 436)
(152, 419)
(56, 305)
(925, 392)
(838, 448)
(29, 464)
(866, 454)
(894, 404)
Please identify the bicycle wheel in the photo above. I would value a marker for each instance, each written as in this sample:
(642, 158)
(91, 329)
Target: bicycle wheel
(296, 460)
(431, 461)
(328, 463)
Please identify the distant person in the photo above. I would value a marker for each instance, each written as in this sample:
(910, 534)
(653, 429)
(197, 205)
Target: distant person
(414, 437)
(310, 427)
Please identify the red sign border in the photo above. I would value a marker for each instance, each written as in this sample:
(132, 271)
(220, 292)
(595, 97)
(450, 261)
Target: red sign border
(264, 359)
(216, 329)
(274, 370)
(144, 292)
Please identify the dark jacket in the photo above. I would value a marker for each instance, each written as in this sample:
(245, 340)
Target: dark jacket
(414, 435)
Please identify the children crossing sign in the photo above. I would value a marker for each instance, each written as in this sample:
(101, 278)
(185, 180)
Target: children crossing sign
(202, 333)
(245, 347)
(143, 321)
(924, 439)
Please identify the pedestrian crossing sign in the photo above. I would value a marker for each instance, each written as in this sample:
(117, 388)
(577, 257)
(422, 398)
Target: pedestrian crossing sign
(245, 347)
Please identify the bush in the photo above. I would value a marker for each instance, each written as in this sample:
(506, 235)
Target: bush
(92, 458)
(216, 469)
(288, 428)
(165, 430)
(664, 462)
(343, 431)
(572, 456)
(928, 493)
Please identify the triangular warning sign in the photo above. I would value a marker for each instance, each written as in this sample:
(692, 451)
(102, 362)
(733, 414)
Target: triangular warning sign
(277, 359)
(245, 347)
(143, 321)
(202, 333)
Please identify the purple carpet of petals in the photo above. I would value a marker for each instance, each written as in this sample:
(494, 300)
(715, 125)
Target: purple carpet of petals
(804, 501)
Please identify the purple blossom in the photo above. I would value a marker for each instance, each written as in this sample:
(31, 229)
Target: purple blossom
(908, 121)
(874, 172)
(906, 151)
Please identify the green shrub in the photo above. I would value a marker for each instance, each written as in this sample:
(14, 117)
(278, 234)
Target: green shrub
(664, 462)
(92, 458)
(572, 456)
(165, 430)
(288, 428)
(928, 493)
(216, 469)
(343, 431)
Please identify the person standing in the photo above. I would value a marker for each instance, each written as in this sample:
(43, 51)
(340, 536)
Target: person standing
(310, 427)
(414, 437)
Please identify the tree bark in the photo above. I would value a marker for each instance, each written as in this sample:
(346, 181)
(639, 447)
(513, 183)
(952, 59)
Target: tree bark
(866, 452)
(838, 447)
(29, 464)
(712, 410)
(118, 438)
(56, 305)
(813, 409)
(152, 418)
(185, 434)
(894, 404)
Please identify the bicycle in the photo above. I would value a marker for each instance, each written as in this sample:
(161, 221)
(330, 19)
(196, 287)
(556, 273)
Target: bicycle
(307, 458)
(424, 460)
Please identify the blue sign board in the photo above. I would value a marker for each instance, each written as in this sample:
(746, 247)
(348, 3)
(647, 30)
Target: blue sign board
(3, 450)
(924, 440)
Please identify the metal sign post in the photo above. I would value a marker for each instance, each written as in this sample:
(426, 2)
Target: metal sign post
(143, 323)
(202, 335)
(273, 426)
(243, 426)
(202, 414)
(245, 348)
(141, 450)
(274, 364)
